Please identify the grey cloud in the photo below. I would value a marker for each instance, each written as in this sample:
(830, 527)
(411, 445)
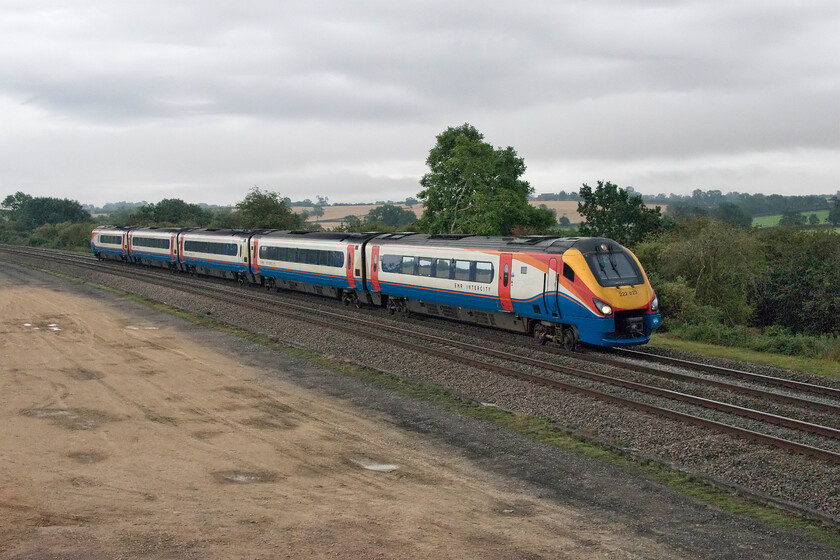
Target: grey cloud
(186, 94)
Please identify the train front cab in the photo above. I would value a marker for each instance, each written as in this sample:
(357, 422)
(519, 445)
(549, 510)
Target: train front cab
(621, 308)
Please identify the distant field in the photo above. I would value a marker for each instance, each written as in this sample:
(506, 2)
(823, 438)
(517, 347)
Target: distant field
(772, 221)
(333, 214)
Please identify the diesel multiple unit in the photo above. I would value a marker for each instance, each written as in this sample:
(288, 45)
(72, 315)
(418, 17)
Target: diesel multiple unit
(569, 290)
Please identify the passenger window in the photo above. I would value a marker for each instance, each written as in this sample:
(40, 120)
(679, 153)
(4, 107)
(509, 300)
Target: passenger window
(442, 267)
(484, 272)
(568, 273)
(424, 266)
(407, 266)
(391, 263)
(462, 270)
(506, 276)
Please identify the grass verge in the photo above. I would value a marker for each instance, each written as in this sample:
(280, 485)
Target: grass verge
(538, 429)
(827, 368)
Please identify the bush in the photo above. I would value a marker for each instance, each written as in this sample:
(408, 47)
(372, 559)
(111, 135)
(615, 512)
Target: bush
(679, 306)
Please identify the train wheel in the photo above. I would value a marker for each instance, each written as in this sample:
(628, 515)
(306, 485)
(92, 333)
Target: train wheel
(540, 334)
(569, 339)
(270, 284)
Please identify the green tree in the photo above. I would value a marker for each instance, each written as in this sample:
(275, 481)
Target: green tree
(27, 212)
(173, 212)
(266, 210)
(13, 203)
(733, 213)
(611, 211)
(834, 211)
(719, 263)
(792, 218)
(391, 215)
(472, 187)
(799, 287)
(813, 220)
(318, 207)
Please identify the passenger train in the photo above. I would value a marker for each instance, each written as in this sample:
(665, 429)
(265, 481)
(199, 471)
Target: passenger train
(562, 289)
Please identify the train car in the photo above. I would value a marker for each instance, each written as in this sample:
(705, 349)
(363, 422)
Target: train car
(153, 246)
(564, 289)
(109, 242)
(323, 263)
(215, 252)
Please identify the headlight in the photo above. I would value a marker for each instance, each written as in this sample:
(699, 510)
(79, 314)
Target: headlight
(604, 308)
(654, 305)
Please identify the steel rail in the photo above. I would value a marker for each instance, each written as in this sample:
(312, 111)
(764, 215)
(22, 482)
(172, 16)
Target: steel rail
(725, 385)
(768, 379)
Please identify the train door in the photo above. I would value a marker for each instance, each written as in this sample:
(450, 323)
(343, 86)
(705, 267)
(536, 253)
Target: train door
(550, 292)
(126, 242)
(255, 258)
(374, 268)
(351, 253)
(505, 281)
(180, 251)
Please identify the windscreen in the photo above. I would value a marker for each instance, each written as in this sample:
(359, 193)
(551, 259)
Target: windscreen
(614, 268)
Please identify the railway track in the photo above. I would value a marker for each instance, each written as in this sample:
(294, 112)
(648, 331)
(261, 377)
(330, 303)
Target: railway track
(526, 368)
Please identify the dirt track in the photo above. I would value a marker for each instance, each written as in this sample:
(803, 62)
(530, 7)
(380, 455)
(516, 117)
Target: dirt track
(123, 438)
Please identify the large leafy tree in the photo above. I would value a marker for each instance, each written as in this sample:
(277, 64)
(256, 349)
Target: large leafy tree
(266, 210)
(27, 212)
(13, 202)
(611, 211)
(798, 288)
(472, 187)
(390, 215)
(834, 211)
(172, 212)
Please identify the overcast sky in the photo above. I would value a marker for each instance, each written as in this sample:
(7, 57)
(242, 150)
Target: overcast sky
(104, 100)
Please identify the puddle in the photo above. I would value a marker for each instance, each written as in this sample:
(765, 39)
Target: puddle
(47, 413)
(269, 422)
(48, 327)
(81, 374)
(370, 465)
(240, 477)
(87, 457)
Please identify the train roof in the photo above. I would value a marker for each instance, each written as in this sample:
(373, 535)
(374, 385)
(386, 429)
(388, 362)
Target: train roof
(348, 237)
(159, 229)
(533, 243)
(243, 233)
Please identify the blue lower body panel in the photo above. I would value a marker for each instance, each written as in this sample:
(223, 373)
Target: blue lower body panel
(217, 265)
(318, 279)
